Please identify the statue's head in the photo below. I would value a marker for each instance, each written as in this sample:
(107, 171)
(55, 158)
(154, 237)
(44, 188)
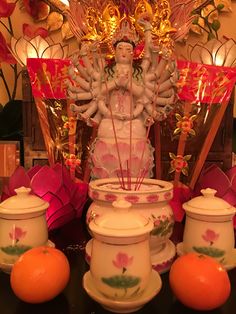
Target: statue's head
(124, 52)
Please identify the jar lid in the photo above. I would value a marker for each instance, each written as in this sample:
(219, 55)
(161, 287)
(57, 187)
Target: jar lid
(23, 203)
(209, 204)
(121, 222)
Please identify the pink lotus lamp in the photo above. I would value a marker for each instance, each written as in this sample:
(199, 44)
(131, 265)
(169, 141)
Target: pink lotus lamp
(66, 198)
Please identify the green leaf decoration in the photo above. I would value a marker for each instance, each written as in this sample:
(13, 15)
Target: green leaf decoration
(16, 250)
(178, 116)
(172, 155)
(163, 229)
(64, 118)
(177, 131)
(187, 157)
(192, 132)
(210, 251)
(135, 292)
(193, 117)
(185, 171)
(121, 282)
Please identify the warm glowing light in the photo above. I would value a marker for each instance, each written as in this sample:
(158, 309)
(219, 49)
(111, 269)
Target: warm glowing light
(66, 2)
(37, 47)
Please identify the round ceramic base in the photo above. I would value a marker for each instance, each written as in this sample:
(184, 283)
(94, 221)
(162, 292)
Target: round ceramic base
(6, 268)
(162, 261)
(123, 306)
(231, 263)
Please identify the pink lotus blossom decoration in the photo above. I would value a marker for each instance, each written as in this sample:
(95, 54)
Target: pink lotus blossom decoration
(122, 261)
(210, 236)
(66, 198)
(17, 234)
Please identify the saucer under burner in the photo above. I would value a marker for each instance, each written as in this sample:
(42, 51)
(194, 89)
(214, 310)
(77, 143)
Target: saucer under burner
(123, 306)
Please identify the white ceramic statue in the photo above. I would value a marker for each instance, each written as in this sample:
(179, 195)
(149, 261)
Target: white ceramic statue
(122, 97)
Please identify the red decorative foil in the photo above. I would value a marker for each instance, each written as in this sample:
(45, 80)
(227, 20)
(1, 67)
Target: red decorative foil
(48, 77)
(205, 83)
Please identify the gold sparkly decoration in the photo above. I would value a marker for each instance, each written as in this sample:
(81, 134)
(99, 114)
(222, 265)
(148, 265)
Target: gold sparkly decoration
(43, 12)
(54, 21)
(96, 21)
(66, 31)
(185, 124)
(179, 163)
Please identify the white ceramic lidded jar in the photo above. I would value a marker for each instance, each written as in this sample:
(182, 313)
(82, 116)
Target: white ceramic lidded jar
(22, 224)
(120, 263)
(209, 226)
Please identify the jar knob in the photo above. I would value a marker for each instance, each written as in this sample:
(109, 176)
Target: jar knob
(208, 192)
(23, 191)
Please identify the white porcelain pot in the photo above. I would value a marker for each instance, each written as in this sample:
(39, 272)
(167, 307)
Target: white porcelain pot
(209, 226)
(22, 224)
(120, 263)
(151, 201)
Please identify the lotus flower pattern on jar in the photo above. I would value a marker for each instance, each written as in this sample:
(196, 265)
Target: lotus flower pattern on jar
(210, 236)
(163, 225)
(122, 261)
(15, 248)
(16, 234)
(123, 281)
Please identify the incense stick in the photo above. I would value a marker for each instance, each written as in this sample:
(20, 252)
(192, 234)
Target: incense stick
(113, 124)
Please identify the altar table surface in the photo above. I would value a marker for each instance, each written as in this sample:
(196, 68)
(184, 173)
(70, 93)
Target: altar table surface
(72, 238)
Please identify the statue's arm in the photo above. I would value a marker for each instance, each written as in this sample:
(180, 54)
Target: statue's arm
(103, 109)
(146, 60)
(138, 108)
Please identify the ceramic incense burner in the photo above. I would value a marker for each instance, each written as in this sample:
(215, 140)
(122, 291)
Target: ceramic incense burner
(151, 201)
(209, 226)
(120, 258)
(22, 224)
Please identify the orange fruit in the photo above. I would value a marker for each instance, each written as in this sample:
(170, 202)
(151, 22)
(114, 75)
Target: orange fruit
(40, 274)
(199, 281)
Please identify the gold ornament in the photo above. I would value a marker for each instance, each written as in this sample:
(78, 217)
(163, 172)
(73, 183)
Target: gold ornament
(54, 21)
(96, 21)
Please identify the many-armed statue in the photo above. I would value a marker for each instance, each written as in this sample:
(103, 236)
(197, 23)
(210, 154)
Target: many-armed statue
(122, 80)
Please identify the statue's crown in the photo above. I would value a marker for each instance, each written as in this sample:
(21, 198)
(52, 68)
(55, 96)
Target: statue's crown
(125, 32)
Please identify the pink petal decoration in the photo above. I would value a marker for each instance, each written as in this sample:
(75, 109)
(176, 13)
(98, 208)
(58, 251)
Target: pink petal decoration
(18, 179)
(50, 179)
(180, 195)
(65, 176)
(66, 198)
(110, 161)
(64, 194)
(60, 211)
(31, 31)
(140, 146)
(233, 183)
(213, 177)
(123, 149)
(79, 197)
(231, 173)
(101, 147)
(61, 219)
(32, 171)
(99, 172)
